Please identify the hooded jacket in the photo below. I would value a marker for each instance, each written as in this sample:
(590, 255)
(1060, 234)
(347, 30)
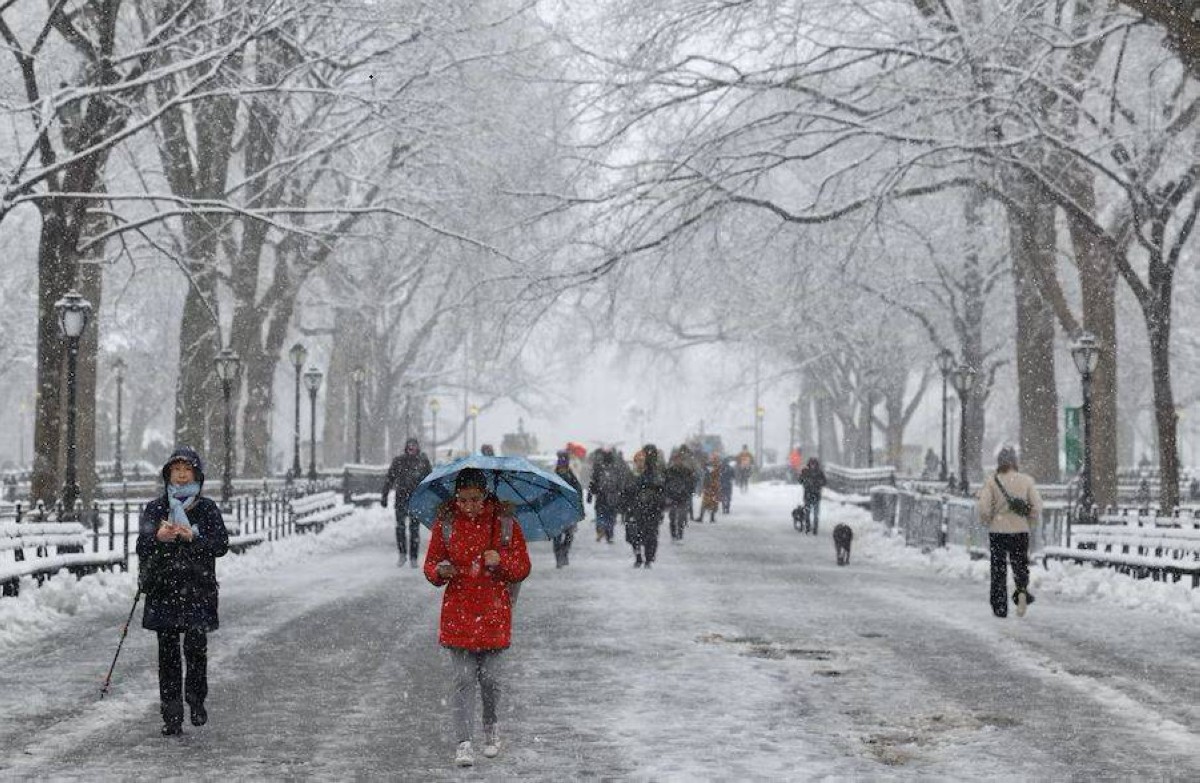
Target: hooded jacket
(477, 606)
(179, 578)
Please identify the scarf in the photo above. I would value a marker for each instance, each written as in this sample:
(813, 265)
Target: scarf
(178, 497)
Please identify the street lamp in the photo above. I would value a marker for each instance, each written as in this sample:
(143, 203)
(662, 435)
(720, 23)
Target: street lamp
(759, 412)
(73, 312)
(119, 366)
(312, 382)
(228, 365)
(298, 354)
(794, 407)
(945, 364)
(358, 376)
(474, 426)
(434, 407)
(963, 379)
(1086, 354)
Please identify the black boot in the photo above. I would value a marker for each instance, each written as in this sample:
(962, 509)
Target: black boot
(199, 715)
(171, 730)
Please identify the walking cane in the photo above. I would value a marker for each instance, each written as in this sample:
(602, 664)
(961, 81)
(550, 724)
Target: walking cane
(124, 630)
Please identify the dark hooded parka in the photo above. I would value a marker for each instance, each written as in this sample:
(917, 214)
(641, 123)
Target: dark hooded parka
(179, 578)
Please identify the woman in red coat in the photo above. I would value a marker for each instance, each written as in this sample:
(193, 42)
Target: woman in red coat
(476, 550)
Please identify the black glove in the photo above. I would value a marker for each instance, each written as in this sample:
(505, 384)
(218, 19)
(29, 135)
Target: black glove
(383, 501)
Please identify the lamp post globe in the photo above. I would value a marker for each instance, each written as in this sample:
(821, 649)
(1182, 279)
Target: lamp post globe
(228, 364)
(73, 312)
(312, 382)
(1085, 352)
(298, 354)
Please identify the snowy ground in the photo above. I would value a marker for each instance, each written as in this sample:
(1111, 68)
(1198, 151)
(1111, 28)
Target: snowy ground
(745, 654)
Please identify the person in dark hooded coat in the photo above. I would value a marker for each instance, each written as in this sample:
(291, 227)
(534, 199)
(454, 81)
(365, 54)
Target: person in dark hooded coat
(405, 473)
(180, 535)
(646, 508)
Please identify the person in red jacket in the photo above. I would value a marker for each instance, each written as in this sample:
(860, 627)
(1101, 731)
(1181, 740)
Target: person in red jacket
(476, 550)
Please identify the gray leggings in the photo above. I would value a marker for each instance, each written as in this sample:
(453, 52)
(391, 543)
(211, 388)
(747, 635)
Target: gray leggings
(471, 667)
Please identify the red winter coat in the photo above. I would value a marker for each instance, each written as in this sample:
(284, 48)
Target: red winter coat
(477, 607)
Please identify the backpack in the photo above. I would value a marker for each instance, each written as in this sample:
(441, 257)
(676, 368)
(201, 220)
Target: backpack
(506, 532)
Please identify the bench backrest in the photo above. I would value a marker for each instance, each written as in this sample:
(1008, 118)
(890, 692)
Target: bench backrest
(310, 503)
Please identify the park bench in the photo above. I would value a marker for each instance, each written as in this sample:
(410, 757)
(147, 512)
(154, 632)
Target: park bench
(42, 549)
(1137, 544)
(241, 539)
(313, 512)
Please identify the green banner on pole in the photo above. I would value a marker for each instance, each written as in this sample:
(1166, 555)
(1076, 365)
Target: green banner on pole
(1073, 439)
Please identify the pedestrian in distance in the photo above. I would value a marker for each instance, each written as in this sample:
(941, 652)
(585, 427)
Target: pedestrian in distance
(646, 508)
(1009, 503)
(728, 476)
(745, 466)
(710, 495)
(476, 551)
(604, 493)
(405, 473)
(562, 542)
(678, 482)
(180, 536)
(812, 478)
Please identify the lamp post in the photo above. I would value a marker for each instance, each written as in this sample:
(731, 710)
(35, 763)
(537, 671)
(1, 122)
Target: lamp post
(759, 412)
(298, 354)
(870, 428)
(945, 364)
(73, 312)
(228, 365)
(963, 380)
(794, 407)
(474, 426)
(358, 376)
(118, 473)
(312, 382)
(1086, 354)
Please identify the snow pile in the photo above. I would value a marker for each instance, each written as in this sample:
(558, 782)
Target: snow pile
(874, 542)
(40, 611)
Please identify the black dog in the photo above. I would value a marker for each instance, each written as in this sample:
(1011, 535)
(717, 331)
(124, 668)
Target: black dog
(842, 536)
(800, 519)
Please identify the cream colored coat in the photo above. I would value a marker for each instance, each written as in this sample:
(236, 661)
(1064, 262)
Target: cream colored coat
(993, 508)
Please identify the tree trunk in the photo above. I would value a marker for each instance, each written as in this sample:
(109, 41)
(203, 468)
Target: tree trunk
(827, 449)
(1165, 417)
(199, 341)
(974, 306)
(1097, 280)
(1032, 241)
(56, 276)
(89, 282)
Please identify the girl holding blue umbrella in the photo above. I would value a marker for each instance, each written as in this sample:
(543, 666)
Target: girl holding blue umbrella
(476, 551)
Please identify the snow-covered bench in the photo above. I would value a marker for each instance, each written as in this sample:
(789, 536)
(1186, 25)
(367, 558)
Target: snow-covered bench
(314, 512)
(1142, 550)
(42, 549)
(239, 539)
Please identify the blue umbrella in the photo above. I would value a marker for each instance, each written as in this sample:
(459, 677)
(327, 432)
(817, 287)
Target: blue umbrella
(545, 505)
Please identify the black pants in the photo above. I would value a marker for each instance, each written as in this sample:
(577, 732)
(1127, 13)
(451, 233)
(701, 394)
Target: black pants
(411, 545)
(647, 537)
(562, 547)
(678, 514)
(173, 690)
(1006, 548)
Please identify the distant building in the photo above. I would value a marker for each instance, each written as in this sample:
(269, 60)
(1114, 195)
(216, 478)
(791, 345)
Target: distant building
(519, 443)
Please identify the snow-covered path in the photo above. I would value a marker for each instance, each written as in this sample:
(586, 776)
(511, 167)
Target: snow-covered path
(745, 654)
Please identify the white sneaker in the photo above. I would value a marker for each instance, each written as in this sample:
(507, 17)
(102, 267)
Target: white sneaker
(1022, 603)
(464, 756)
(491, 743)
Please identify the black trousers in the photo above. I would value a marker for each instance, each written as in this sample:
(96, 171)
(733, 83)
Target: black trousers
(678, 514)
(1008, 548)
(409, 545)
(562, 546)
(173, 690)
(648, 538)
